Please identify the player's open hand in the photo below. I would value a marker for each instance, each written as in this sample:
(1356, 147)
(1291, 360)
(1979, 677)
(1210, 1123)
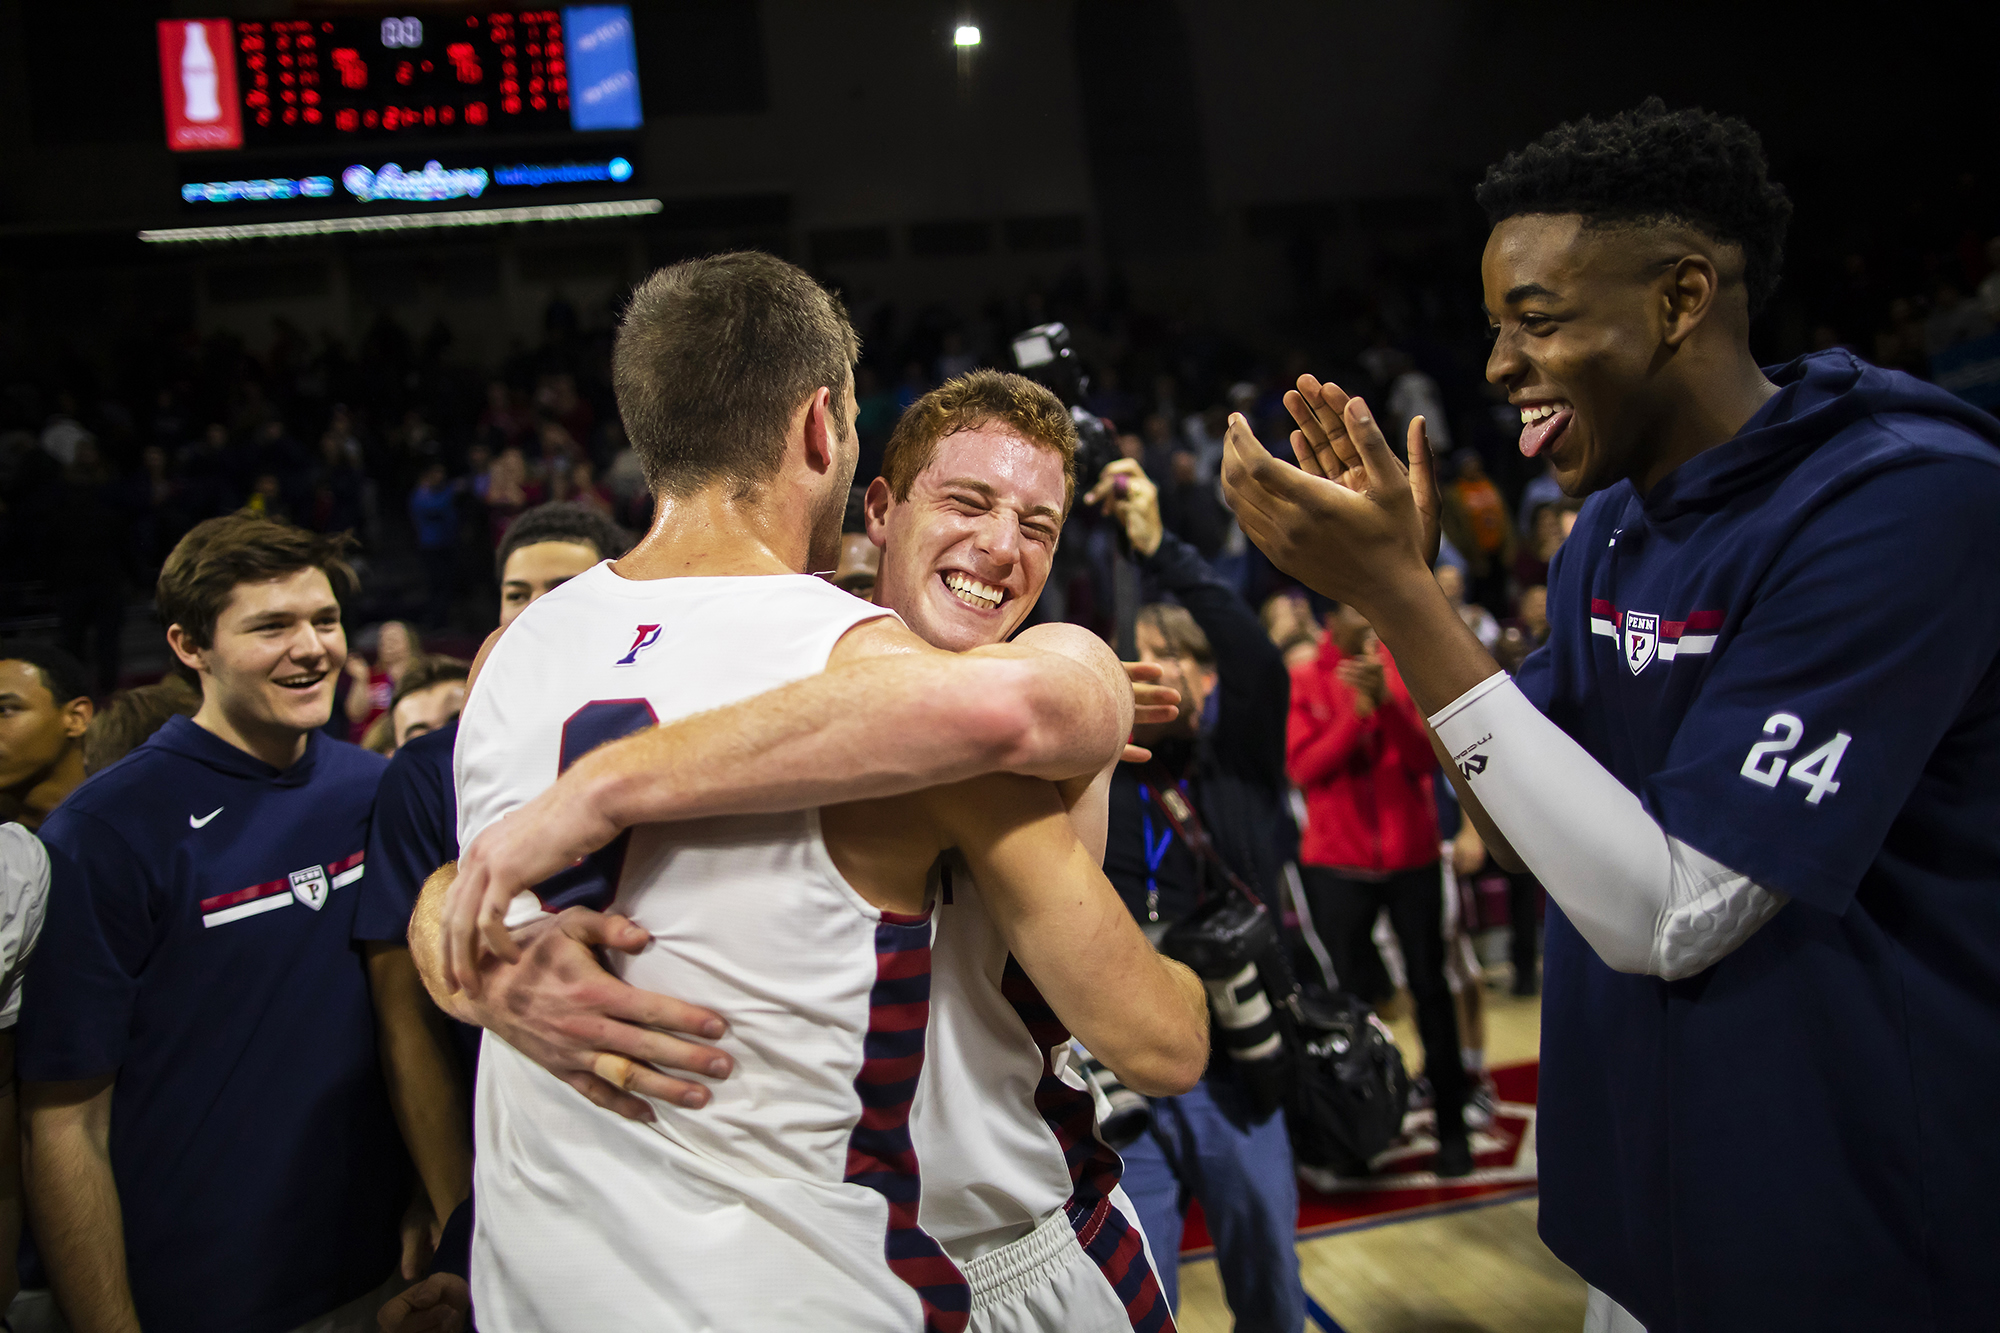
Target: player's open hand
(542, 838)
(1353, 544)
(604, 1037)
(1325, 448)
(1152, 703)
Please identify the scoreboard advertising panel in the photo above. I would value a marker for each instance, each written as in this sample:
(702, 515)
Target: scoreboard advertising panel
(401, 110)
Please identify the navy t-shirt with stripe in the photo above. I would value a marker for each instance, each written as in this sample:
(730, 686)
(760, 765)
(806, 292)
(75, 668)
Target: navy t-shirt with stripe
(414, 831)
(1790, 650)
(199, 945)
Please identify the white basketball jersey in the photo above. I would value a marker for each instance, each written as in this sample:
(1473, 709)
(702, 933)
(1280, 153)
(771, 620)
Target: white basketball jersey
(790, 1200)
(1005, 1130)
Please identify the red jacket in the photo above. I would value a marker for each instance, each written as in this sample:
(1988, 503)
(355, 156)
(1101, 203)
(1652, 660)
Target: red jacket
(1367, 780)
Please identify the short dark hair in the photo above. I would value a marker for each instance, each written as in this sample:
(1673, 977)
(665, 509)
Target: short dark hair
(973, 400)
(1652, 165)
(62, 675)
(426, 671)
(712, 358)
(561, 521)
(132, 716)
(217, 554)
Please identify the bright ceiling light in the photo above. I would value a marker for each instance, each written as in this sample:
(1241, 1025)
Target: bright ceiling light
(967, 35)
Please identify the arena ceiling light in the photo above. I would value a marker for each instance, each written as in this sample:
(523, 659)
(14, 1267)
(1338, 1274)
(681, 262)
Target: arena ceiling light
(468, 217)
(967, 35)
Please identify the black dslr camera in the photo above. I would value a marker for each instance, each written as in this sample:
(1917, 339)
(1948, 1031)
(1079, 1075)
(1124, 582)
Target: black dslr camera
(1044, 355)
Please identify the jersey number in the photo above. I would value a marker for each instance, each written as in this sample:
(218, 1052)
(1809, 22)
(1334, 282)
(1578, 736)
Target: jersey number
(1764, 766)
(593, 881)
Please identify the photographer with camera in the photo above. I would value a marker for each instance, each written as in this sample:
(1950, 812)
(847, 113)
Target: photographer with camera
(1190, 827)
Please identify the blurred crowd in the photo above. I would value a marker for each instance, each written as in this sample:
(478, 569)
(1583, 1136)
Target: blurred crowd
(472, 490)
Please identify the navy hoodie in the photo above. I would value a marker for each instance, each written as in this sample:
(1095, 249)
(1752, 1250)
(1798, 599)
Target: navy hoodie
(198, 947)
(1788, 652)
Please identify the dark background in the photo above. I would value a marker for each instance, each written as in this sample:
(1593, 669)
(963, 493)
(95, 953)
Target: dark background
(1207, 190)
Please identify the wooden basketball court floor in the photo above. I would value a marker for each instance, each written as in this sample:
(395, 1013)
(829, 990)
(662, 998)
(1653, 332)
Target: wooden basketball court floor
(1473, 1267)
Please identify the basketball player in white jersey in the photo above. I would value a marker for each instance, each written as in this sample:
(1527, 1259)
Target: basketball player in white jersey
(1017, 1188)
(792, 1198)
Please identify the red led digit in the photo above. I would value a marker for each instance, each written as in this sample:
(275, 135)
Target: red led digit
(475, 113)
(353, 71)
(348, 119)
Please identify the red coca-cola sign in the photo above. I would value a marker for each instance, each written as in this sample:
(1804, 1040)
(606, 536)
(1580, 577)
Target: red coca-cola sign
(198, 84)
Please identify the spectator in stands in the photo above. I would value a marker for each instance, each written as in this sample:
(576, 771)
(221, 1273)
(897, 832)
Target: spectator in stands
(509, 491)
(1533, 617)
(1545, 538)
(428, 698)
(1954, 319)
(428, 1058)
(45, 709)
(1226, 754)
(1408, 392)
(502, 423)
(1989, 286)
(1542, 489)
(83, 518)
(370, 689)
(196, 965)
(585, 490)
(63, 433)
(860, 558)
(1476, 522)
(132, 716)
(338, 486)
(24, 897)
(434, 514)
(954, 357)
(267, 498)
(1288, 620)
(1359, 751)
(1484, 625)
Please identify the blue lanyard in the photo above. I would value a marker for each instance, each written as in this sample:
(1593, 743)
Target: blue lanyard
(1156, 849)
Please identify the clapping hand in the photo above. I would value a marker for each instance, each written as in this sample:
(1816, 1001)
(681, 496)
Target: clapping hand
(1350, 521)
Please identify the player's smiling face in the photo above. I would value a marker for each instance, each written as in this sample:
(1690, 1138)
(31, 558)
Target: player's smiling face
(966, 555)
(277, 651)
(1575, 338)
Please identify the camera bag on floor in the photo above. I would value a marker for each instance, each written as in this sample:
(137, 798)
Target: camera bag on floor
(1325, 1058)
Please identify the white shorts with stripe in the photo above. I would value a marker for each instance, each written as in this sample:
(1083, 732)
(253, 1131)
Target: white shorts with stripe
(1047, 1282)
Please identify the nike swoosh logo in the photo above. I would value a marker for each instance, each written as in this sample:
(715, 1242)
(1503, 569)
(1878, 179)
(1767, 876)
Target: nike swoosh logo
(203, 821)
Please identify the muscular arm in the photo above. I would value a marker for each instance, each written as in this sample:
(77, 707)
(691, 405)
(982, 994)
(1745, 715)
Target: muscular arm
(426, 1089)
(73, 1202)
(1646, 902)
(1142, 1014)
(560, 1007)
(889, 716)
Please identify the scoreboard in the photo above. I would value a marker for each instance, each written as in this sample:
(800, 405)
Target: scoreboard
(316, 83)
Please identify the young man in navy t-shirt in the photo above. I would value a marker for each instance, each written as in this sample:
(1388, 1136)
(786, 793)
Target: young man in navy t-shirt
(414, 830)
(1757, 766)
(209, 1145)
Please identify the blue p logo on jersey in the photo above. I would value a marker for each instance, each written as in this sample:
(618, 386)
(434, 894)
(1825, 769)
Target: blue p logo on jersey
(647, 636)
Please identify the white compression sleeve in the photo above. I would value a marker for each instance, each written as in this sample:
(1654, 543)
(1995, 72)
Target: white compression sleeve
(1646, 902)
